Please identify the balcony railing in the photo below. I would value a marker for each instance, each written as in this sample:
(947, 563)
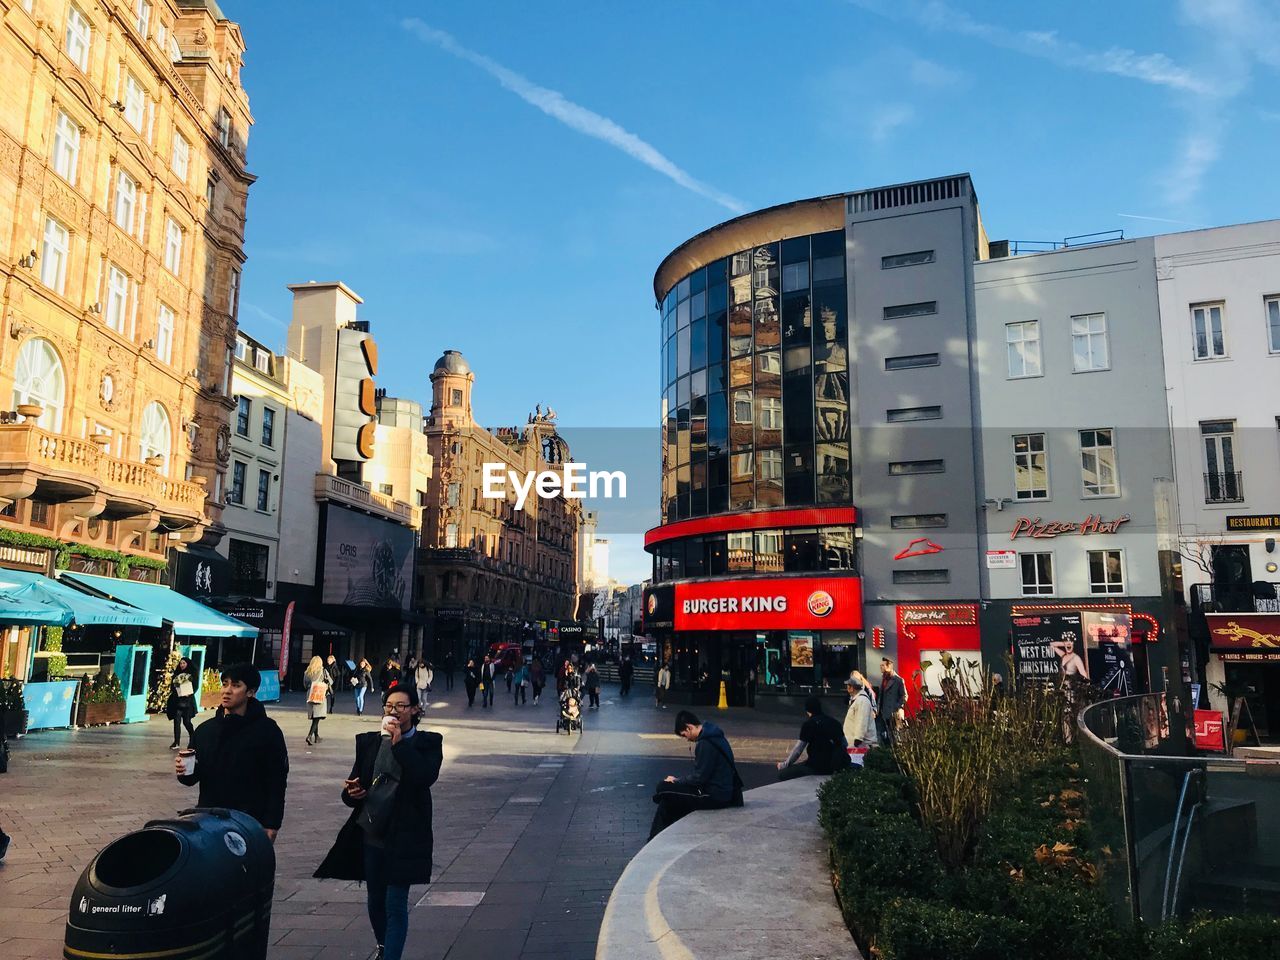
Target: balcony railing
(24, 444)
(329, 487)
(1224, 487)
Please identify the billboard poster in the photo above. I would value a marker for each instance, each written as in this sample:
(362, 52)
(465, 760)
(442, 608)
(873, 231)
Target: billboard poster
(1049, 646)
(368, 562)
(801, 649)
(1108, 640)
(1209, 728)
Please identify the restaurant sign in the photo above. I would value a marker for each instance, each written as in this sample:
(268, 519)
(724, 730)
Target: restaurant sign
(1040, 529)
(1267, 521)
(1245, 637)
(827, 603)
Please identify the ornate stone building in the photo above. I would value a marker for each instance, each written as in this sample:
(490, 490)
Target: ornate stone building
(487, 568)
(123, 190)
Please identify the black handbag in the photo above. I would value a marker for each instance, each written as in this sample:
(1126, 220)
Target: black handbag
(379, 806)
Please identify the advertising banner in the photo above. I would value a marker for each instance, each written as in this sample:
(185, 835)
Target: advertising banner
(792, 603)
(1209, 729)
(1108, 638)
(1245, 637)
(368, 562)
(1049, 646)
(801, 649)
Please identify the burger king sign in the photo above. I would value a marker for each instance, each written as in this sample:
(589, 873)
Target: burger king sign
(785, 603)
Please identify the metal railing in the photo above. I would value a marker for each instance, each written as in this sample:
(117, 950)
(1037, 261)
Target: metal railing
(329, 487)
(1177, 833)
(1224, 487)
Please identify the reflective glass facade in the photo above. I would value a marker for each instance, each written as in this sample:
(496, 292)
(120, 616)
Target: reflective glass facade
(755, 374)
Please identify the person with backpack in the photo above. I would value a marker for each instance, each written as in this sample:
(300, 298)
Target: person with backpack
(714, 783)
(822, 742)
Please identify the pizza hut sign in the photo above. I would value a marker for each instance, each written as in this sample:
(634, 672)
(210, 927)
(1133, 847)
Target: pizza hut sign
(1039, 529)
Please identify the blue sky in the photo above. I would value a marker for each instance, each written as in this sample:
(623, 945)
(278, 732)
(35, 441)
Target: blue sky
(503, 178)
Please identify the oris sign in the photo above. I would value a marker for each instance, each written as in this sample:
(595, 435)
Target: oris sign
(831, 603)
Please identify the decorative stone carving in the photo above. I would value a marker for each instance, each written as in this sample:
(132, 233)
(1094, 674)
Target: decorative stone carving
(224, 444)
(10, 155)
(66, 204)
(125, 252)
(200, 38)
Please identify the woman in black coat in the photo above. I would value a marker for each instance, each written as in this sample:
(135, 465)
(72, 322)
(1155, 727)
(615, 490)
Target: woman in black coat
(471, 677)
(387, 840)
(182, 701)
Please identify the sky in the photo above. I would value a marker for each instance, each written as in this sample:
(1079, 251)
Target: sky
(503, 179)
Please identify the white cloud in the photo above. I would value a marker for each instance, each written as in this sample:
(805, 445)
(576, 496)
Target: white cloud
(886, 120)
(927, 73)
(572, 115)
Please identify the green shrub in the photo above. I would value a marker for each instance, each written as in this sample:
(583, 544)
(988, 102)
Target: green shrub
(1206, 937)
(881, 760)
(922, 930)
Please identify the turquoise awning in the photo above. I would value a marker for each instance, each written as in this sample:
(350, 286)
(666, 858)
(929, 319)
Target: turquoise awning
(85, 610)
(189, 618)
(18, 606)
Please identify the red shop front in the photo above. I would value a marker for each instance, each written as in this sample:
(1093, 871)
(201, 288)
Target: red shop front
(925, 632)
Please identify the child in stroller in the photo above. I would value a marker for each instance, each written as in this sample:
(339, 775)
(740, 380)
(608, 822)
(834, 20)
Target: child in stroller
(570, 718)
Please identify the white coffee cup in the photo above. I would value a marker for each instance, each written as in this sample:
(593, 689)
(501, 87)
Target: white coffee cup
(188, 758)
(386, 725)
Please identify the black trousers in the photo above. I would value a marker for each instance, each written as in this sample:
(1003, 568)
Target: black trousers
(594, 696)
(798, 770)
(180, 721)
(675, 801)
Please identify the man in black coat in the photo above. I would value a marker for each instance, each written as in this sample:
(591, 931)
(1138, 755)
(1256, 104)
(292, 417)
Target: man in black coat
(823, 743)
(625, 672)
(391, 847)
(241, 760)
(893, 701)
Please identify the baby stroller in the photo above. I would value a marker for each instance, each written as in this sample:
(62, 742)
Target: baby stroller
(570, 718)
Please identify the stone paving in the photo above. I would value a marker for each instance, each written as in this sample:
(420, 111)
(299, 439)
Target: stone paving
(532, 828)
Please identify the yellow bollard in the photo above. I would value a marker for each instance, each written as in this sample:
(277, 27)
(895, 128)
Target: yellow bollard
(724, 697)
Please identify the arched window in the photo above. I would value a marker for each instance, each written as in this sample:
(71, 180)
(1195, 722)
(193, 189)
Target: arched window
(38, 378)
(156, 436)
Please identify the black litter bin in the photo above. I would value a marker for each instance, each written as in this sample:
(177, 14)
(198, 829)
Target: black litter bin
(197, 887)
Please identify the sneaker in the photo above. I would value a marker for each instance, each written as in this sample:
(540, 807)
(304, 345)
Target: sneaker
(377, 954)
(4, 844)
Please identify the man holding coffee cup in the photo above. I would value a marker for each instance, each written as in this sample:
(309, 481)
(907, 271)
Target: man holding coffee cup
(240, 760)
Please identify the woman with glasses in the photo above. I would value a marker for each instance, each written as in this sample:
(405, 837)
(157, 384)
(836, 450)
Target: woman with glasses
(387, 840)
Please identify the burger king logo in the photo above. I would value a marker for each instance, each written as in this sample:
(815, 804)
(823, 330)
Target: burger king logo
(652, 604)
(820, 603)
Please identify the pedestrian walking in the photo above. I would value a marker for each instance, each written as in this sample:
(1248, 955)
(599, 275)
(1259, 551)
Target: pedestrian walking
(822, 741)
(240, 760)
(5, 839)
(893, 702)
(625, 672)
(591, 680)
(510, 673)
(471, 678)
(388, 675)
(181, 707)
(713, 784)
(661, 685)
(316, 679)
(333, 670)
(521, 684)
(448, 670)
(538, 678)
(860, 719)
(422, 677)
(362, 683)
(387, 840)
(488, 681)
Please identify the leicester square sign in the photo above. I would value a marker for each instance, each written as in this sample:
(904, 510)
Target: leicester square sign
(790, 603)
(1040, 529)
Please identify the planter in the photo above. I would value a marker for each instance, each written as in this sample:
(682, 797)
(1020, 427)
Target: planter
(96, 714)
(14, 723)
(210, 699)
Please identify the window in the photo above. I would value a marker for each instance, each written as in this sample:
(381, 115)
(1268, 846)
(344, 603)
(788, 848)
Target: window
(126, 201)
(912, 361)
(906, 468)
(238, 470)
(1272, 307)
(142, 16)
(66, 148)
(181, 156)
(79, 34)
(454, 492)
(174, 51)
(905, 414)
(1030, 467)
(451, 536)
(742, 406)
(243, 407)
(242, 348)
(117, 298)
(135, 102)
(387, 489)
(155, 438)
(770, 413)
(162, 35)
(41, 514)
(456, 398)
(795, 276)
(918, 521)
(264, 490)
(906, 259)
(224, 127)
(1037, 574)
(1089, 343)
(53, 256)
(1023, 341)
(164, 334)
(233, 293)
(268, 427)
(1098, 463)
(922, 576)
(172, 246)
(1222, 482)
(38, 378)
(903, 310)
(249, 564)
(262, 360)
(1106, 571)
(1209, 343)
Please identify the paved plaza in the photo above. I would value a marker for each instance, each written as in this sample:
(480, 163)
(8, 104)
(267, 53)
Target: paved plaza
(532, 828)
